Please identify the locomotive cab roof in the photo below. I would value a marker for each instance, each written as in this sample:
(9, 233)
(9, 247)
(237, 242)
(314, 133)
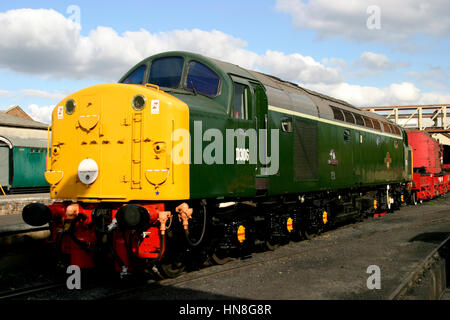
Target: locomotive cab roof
(204, 82)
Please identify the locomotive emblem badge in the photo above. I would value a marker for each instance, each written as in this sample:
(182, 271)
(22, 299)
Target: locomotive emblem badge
(333, 161)
(388, 160)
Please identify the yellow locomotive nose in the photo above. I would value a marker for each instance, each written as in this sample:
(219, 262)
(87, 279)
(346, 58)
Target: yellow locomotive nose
(113, 142)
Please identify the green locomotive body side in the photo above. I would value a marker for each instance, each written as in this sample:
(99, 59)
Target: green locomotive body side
(217, 179)
(359, 161)
(317, 152)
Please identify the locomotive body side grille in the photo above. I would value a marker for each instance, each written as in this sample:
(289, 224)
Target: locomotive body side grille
(306, 165)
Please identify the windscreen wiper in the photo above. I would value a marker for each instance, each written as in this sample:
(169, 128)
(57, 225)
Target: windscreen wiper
(193, 87)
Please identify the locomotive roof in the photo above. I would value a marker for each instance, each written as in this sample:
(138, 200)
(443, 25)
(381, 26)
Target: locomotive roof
(288, 96)
(318, 104)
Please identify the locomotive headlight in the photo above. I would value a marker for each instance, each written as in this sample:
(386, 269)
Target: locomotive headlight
(88, 171)
(139, 102)
(70, 106)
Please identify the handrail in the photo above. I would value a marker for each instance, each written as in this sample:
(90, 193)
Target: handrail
(47, 158)
(152, 86)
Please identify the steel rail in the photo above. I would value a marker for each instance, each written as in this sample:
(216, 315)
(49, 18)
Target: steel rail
(19, 292)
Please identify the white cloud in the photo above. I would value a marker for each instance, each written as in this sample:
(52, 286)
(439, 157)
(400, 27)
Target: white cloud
(404, 93)
(354, 94)
(36, 40)
(5, 93)
(43, 94)
(3, 108)
(373, 60)
(434, 76)
(298, 68)
(41, 114)
(377, 62)
(44, 42)
(400, 20)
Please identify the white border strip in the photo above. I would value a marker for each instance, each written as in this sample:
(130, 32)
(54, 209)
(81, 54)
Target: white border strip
(308, 116)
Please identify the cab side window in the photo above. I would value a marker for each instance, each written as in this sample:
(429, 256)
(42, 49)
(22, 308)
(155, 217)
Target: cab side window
(136, 77)
(241, 101)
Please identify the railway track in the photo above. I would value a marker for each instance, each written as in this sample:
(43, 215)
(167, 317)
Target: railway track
(26, 291)
(7, 233)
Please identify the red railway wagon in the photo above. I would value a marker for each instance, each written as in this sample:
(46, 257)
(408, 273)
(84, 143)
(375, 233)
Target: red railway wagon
(430, 177)
(446, 170)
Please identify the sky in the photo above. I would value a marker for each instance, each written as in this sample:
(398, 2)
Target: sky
(367, 52)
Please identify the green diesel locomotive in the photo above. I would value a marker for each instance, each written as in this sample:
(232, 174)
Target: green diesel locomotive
(241, 158)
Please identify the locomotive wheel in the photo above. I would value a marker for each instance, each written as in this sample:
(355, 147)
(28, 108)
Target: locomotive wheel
(171, 269)
(272, 244)
(308, 234)
(220, 257)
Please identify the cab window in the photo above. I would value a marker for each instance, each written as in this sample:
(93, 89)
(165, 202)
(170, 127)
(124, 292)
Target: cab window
(202, 79)
(241, 97)
(166, 72)
(136, 77)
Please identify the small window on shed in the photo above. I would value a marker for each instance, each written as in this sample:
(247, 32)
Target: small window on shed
(376, 124)
(349, 116)
(368, 123)
(338, 115)
(359, 119)
(136, 77)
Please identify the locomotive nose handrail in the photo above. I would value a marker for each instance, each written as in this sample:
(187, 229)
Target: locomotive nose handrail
(47, 158)
(152, 86)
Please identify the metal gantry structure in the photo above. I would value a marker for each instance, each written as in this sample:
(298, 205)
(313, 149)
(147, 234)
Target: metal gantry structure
(431, 118)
